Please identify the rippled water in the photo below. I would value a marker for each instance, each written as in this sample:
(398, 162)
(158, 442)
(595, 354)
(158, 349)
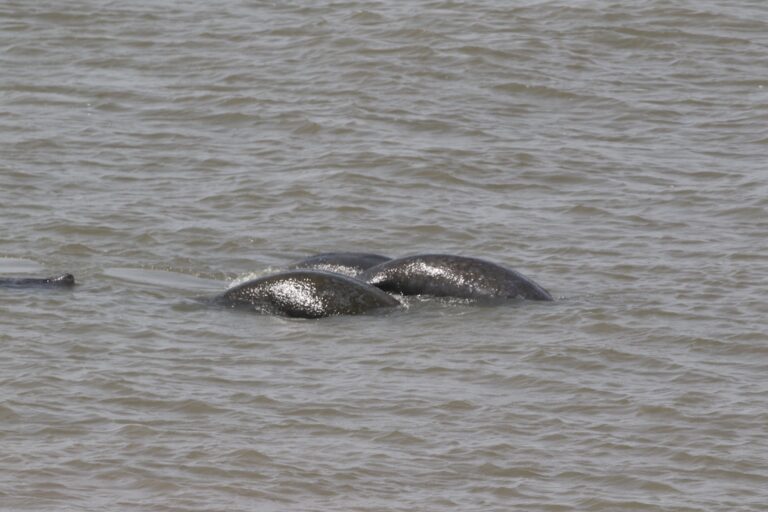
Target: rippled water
(613, 151)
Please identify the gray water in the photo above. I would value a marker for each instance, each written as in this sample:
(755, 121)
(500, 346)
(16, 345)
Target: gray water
(615, 152)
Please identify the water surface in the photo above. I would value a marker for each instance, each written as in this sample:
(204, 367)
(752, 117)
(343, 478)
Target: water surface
(614, 152)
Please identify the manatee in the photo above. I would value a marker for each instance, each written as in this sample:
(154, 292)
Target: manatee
(347, 263)
(307, 294)
(444, 275)
(60, 281)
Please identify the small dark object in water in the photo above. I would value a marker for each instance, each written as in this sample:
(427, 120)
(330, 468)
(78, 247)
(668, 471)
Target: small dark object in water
(60, 281)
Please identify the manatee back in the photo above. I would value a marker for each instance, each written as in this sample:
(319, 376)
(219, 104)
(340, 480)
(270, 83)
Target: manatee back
(444, 275)
(307, 294)
(347, 263)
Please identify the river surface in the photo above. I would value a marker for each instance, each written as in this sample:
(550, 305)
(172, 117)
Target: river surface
(615, 152)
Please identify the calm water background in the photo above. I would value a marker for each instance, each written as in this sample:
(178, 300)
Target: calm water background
(614, 151)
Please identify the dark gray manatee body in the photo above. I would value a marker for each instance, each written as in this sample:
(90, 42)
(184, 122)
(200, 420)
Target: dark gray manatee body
(60, 281)
(347, 263)
(307, 294)
(444, 275)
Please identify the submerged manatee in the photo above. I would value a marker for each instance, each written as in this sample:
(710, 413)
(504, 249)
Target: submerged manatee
(60, 281)
(444, 275)
(347, 263)
(307, 294)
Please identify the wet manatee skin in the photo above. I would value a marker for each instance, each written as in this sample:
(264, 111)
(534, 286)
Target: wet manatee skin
(307, 294)
(444, 275)
(347, 263)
